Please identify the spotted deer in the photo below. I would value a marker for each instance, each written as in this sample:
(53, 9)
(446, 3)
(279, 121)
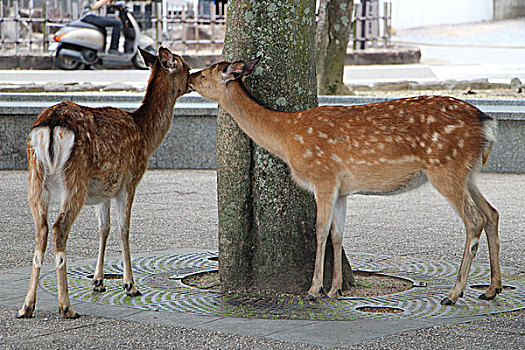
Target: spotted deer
(82, 155)
(381, 148)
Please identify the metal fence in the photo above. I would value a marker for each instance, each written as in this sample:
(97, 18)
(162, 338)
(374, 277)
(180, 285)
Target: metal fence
(27, 25)
(372, 24)
(194, 29)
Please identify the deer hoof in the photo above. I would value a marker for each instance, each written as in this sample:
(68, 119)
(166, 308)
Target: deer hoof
(25, 312)
(98, 286)
(484, 296)
(131, 290)
(310, 297)
(68, 312)
(334, 295)
(447, 301)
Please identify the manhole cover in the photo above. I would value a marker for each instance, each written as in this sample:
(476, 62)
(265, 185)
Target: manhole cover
(159, 280)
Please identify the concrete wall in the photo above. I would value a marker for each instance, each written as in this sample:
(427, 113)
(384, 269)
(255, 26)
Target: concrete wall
(190, 143)
(420, 13)
(505, 9)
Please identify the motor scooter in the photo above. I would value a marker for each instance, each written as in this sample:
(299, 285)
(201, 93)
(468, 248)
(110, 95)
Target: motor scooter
(80, 44)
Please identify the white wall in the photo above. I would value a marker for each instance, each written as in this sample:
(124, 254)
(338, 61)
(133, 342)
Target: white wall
(420, 13)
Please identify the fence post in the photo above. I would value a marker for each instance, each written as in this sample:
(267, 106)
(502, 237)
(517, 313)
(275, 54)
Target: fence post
(212, 26)
(374, 18)
(388, 26)
(44, 26)
(17, 48)
(184, 27)
(158, 24)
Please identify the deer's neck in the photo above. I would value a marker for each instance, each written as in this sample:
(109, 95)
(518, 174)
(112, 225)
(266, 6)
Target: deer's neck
(264, 126)
(155, 114)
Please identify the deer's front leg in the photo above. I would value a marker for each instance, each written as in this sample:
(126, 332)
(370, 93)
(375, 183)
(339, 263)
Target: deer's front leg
(124, 203)
(325, 197)
(103, 216)
(336, 234)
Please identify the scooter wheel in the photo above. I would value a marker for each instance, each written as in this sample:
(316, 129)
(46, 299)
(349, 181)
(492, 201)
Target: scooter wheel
(65, 62)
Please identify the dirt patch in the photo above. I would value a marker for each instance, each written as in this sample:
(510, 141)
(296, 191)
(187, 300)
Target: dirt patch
(368, 284)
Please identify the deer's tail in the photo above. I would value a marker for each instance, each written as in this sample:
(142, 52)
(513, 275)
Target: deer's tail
(489, 127)
(52, 146)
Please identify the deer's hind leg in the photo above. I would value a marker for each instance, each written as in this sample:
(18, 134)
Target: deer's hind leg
(103, 215)
(72, 202)
(39, 203)
(491, 230)
(453, 186)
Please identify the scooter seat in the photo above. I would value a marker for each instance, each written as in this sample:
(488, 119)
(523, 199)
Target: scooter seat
(80, 24)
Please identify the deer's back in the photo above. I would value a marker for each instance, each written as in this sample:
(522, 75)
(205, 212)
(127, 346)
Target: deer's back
(380, 146)
(108, 146)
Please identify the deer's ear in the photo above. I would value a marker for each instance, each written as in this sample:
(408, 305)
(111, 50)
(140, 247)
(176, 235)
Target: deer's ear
(167, 59)
(233, 71)
(250, 65)
(239, 69)
(149, 59)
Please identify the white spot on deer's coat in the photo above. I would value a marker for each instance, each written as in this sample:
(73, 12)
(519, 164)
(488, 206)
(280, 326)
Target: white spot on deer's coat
(449, 128)
(310, 130)
(307, 153)
(332, 141)
(322, 135)
(429, 150)
(431, 119)
(461, 143)
(435, 136)
(335, 157)
(299, 138)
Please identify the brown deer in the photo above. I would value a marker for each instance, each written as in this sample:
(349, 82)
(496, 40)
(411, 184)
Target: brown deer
(83, 155)
(381, 148)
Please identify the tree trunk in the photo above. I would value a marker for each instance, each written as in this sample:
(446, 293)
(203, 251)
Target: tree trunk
(333, 34)
(266, 223)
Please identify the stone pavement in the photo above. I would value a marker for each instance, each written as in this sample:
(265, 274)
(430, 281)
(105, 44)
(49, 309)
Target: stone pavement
(176, 211)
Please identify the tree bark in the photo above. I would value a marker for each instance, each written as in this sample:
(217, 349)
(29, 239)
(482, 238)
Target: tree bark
(266, 223)
(332, 36)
